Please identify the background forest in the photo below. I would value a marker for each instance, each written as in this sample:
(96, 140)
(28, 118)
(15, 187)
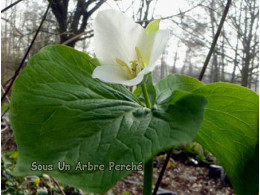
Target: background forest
(192, 24)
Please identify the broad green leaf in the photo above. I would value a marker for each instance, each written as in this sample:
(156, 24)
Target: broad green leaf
(230, 132)
(152, 26)
(59, 113)
(165, 87)
(84, 62)
(94, 62)
(229, 129)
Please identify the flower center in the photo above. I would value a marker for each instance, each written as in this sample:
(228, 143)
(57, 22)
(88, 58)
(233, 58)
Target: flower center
(135, 66)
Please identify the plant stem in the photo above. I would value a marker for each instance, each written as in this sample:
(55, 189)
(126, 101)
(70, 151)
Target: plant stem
(148, 166)
(148, 177)
(146, 95)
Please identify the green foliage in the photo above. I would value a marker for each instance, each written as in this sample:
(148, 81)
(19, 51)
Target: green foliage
(229, 129)
(196, 150)
(9, 183)
(150, 88)
(27, 185)
(126, 193)
(165, 87)
(60, 113)
(94, 62)
(230, 132)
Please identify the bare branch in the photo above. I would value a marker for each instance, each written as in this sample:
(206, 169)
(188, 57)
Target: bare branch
(8, 21)
(215, 40)
(26, 54)
(10, 6)
(76, 37)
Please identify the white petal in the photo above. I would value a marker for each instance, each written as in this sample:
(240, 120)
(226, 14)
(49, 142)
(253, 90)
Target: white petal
(115, 36)
(160, 40)
(134, 81)
(146, 45)
(110, 74)
(115, 75)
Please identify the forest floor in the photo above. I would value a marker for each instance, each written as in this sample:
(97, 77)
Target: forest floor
(180, 178)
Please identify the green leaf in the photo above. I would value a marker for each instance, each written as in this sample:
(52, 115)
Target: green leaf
(165, 87)
(150, 88)
(60, 113)
(13, 154)
(66, 54)
(152, 26)
(137, 91)
(94, 62)
(230, 132)
(230, 126)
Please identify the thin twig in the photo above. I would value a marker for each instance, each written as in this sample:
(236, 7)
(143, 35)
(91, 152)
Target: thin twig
(162, 172)
(58, 185)
(3, 90)
(212, 48)
(7, 140)
(6, 128)
(27, 52)
(9, 6)
(8, 99)
(13, 25)
(213, 45)
(76, 37)
(6, 82)
(168, 17)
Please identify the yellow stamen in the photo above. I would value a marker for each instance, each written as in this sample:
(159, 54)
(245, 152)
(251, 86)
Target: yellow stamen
(124, 65)
(135, 66)
(138, 53)
(139, 57)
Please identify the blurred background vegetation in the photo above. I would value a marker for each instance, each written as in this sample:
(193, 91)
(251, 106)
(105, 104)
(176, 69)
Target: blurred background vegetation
(192, 25)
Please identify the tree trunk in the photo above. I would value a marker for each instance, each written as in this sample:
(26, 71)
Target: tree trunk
(214, 67)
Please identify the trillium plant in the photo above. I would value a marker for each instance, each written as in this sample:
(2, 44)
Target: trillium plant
(75, 118)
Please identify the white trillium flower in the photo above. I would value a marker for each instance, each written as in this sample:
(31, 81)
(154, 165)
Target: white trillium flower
(125, 51)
